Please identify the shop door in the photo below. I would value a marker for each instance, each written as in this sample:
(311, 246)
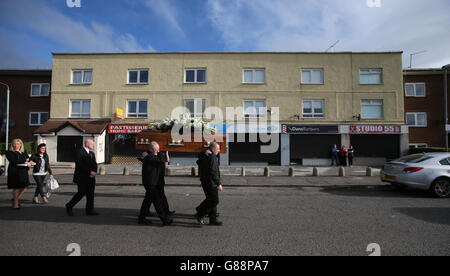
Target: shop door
(67, 147)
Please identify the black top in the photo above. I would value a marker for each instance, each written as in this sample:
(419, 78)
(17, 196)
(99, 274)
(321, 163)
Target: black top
(17, 175)
(84, 164)
(208, 169)
(153, 169)
(36, 158)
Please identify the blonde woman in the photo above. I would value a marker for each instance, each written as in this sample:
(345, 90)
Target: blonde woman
(19, 164)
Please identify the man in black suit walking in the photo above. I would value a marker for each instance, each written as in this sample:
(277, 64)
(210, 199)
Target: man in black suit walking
(153, 181)
(210, 178)
(84, 177)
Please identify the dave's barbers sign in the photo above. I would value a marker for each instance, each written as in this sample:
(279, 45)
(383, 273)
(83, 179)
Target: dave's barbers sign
(309, 129)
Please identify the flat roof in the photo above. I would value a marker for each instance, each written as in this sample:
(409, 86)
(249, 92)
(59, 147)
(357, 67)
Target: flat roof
(225, 53)
(27, 72)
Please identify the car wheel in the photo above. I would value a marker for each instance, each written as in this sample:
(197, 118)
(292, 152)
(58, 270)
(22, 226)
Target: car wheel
(441, 188)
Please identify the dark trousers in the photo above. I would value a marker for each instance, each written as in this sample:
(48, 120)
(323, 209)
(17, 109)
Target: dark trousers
(41, 188)
(343, 161)
(84, 189)
(165, 203)
(153, 195)
(209, 205)
(334, 160)
(350, 160)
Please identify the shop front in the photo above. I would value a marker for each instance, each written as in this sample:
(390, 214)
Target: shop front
(122, 143)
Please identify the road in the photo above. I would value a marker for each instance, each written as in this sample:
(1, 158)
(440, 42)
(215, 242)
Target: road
(261, 221)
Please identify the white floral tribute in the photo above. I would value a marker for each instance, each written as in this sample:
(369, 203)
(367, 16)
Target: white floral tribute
(184, 122)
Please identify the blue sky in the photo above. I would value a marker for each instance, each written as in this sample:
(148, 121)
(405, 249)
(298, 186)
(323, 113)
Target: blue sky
(31, 29)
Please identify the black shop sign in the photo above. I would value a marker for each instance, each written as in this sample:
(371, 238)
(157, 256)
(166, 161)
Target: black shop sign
(310, 129)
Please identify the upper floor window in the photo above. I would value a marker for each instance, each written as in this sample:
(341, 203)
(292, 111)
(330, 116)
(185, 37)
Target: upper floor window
(254, 76)
(418, 119)
(372, 109)
(415, 90)
(40, 89)
(313, 109)
(195, 76)
(82, 77)
(312, 76)
(255, 108)
(38, 118)
(138, 76)
(196, 107)
(137, 109)
(80, 109)
(371, 76)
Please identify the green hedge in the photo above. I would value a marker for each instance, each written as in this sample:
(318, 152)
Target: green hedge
(30, 147)
(422, 150)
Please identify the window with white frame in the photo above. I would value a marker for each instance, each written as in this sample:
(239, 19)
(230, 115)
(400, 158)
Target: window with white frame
(372, 109)
(40, 89)
(81, 76)
(255, 108)
(254, 76)
(195, 75)
(415, 90)
(38, 118)
(80, 109)
(138, 76)
(371, 76)
(196, 107)
(313, 109)
(417, 119)
(312, 76)
(137, 109)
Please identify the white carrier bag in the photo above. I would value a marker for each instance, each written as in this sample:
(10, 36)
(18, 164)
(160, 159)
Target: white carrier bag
(52, 184)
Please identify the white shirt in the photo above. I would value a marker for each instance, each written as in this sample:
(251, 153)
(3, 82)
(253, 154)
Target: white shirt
(87, 150)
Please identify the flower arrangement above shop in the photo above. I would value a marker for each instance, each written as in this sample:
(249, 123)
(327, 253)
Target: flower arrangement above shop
(184, 122)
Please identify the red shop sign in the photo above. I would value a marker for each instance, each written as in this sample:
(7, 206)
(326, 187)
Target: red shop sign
(375, 129)
(126, 129)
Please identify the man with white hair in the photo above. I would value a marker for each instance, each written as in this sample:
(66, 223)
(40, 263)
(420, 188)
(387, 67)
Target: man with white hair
(84, 177)
(152, 179)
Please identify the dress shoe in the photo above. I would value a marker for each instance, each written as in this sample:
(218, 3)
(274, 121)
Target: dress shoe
(167, 222)
(144, 222)
(36, 200)
(215, 223)
(69, 211)
(92, 214)
(200, 219)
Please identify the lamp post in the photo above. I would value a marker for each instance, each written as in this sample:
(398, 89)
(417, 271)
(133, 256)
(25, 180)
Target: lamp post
(7, 124)
(445, 68)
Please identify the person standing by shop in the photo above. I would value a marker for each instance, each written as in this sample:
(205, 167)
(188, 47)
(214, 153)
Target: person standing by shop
(343, 154)
(40, 171)
(19, 164)
(84, 177)
(210, 178)
(335, 156)
(351, 156)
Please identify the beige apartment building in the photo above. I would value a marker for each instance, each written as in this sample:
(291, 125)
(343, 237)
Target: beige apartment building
(309, 100)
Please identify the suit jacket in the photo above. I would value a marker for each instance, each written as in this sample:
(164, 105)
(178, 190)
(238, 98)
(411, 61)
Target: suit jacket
(153, 170)
(84, 164)
(208, 167)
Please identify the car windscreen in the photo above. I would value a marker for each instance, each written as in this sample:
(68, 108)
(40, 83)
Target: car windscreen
(415, 158)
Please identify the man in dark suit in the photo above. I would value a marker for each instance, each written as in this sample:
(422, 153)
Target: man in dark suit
(153, 181)
(210, 177)
(84, 177)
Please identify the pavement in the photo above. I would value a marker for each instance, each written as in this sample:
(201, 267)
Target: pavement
(258, 221)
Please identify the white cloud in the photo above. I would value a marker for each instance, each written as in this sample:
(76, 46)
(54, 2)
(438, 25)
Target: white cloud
(50, 23)
(313, 25)
(167, 11)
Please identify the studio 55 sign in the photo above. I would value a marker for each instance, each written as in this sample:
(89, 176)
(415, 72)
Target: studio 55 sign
(375, 129)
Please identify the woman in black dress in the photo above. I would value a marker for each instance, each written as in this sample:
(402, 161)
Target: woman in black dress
(19, 164)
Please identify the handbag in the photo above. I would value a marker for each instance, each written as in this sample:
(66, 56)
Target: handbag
(52, 184)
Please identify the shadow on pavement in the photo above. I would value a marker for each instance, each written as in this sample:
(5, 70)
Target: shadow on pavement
(382, 191)
(432, 215)
(108, 216)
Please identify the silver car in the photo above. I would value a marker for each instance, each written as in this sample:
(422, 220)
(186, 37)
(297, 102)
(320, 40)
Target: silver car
(426, 171)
